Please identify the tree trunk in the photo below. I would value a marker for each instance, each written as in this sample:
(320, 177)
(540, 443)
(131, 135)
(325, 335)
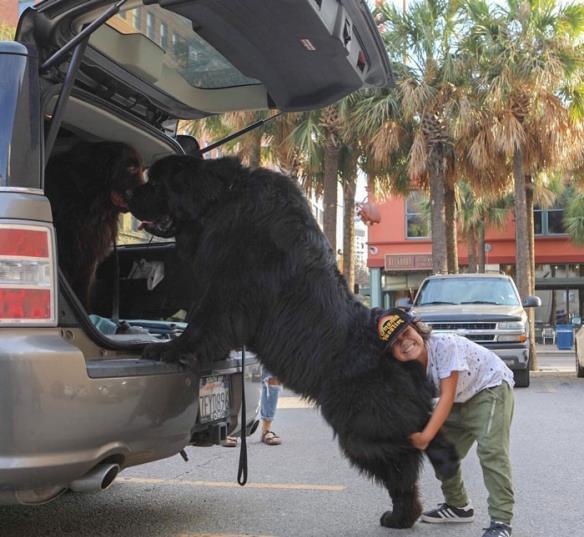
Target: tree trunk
(451, 229)
(552, 318)
(529, 186)
(331, 170)
(253, 153)
(522, 258)
(437, 168)
(481, 247)
(472, 250)
(531, 240)
(522, 272)
(349, 190)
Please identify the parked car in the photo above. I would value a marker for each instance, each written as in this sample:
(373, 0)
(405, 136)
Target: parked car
(579, 347)
(485, 308)
(77, 405)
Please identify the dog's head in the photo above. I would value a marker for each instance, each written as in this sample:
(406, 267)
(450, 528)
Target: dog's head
(102, 172)
(179, 190)
(122, 168)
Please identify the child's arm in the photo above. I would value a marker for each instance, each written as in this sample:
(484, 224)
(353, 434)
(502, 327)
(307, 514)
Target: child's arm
(440, 413)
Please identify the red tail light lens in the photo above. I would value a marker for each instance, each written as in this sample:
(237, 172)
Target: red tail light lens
(25, 304)
(26, 275)
(24, 242)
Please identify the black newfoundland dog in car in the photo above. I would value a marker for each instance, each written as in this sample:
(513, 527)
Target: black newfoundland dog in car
(266, 278)
(86, 187)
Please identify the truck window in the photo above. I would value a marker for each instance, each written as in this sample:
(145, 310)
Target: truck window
(497, 291)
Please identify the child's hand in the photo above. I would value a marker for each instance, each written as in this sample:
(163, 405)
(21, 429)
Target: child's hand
(419, 441)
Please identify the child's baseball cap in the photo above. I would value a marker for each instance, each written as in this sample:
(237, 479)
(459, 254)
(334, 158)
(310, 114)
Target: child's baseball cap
(391, 323)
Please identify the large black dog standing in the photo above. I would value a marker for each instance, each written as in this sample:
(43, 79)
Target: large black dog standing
(266, 278)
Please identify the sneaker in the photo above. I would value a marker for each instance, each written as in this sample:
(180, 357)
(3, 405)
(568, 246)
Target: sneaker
(447, 513)
(497, 529)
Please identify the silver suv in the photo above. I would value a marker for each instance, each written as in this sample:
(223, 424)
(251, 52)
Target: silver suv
(485, 308)
(78, 405)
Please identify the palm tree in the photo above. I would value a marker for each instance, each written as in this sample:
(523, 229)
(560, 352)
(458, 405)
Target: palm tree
(476, 213)
(331, 123)
(420, 41)
(574, 218)
(528, 71)
(527, 60)
(318, 136)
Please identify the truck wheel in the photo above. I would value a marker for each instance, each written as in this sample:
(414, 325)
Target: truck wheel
(521, 377)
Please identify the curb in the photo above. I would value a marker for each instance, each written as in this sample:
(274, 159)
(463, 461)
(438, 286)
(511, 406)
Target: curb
(555, 371)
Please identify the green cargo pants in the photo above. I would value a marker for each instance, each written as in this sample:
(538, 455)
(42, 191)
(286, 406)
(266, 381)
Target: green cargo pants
(486, 419)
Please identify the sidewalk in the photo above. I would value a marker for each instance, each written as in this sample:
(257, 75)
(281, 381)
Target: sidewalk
(552, 350)
(552, 360)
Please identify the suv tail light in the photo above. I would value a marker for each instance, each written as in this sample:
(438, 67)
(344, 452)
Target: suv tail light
(27, 275)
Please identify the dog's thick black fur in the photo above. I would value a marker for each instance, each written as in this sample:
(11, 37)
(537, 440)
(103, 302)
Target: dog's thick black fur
(86, 187)
(267, 279)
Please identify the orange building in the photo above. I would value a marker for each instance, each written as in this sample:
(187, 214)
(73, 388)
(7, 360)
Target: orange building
(400, 257)
(9, 12)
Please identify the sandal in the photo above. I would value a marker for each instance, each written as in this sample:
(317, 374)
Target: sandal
(270, 438)
(230, 441)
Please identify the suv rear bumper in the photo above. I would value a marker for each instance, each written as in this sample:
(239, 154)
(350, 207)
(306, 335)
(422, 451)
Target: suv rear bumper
(58, 422)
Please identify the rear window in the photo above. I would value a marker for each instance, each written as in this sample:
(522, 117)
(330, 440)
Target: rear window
(497, 291)
(184, 52)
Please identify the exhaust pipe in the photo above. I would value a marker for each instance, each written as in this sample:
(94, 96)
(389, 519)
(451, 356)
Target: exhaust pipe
(100, 478)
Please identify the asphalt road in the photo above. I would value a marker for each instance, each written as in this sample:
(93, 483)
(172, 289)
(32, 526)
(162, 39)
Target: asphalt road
(305, 488)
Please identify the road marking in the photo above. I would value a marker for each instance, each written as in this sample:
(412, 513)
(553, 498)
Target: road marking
(222, 535)
(231, 485)
(293, 402)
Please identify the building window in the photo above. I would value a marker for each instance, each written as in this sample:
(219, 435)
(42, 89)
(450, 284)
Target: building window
(417, 219)
(150, 25)
(548, 221)
(137, 18)
(163, 36)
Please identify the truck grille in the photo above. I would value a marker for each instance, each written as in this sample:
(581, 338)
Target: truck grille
(463, 326)
(473, 331)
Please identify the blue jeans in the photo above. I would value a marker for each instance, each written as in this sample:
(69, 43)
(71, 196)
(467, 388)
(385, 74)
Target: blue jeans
(269, 398)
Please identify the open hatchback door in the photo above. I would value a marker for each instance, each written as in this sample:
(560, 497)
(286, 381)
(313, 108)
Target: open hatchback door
(187, 59)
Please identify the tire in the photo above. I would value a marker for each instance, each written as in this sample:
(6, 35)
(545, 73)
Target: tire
(521, 377)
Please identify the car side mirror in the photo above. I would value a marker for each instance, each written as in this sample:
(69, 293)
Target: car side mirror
(532, 301)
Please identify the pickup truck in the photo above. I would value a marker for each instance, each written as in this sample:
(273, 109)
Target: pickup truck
(485, 308)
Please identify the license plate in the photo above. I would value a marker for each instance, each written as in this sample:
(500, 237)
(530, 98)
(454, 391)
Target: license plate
(213, 398)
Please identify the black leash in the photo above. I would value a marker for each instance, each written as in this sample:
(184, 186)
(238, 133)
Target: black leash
(116, 287)
(242, 470)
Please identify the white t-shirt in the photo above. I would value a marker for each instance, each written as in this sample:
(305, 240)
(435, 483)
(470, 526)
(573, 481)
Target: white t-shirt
(478, 367)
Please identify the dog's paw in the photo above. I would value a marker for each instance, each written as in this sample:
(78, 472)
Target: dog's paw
(161, 352)
(388, 520)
